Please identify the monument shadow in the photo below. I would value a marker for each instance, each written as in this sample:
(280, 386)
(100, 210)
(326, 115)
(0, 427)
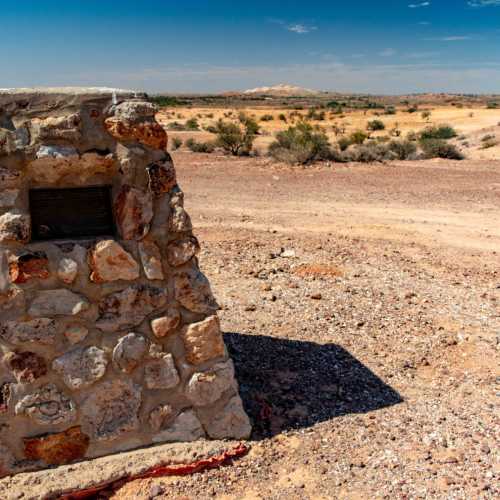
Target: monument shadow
(291, 384)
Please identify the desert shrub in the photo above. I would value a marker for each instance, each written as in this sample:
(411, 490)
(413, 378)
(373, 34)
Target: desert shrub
(488, 141)
(376, 125)
(301, 144)
(412, 109)
(282, 117)
(370, 152)
(425, 115)
(412, 136)
(438, 132)
(178, 127)
(358, 137)
(192, 124)
(439, 148)
(403, 149)
(200, 147)
(176, 143)
(266, 118)
(236, 138)
(344, 143)
(382, 139)
(161, 100)
(209, 115)
(492, 105)
(315, 114)
(390, 110)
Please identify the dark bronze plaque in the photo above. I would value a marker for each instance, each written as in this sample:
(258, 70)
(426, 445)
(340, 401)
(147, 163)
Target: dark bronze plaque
(71, 213)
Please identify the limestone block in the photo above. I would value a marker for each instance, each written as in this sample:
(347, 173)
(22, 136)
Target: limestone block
(28, 265)
(129, 352)
(110, 262)
(128, 308)
(230, 423)
(151, 260)
(25, 366)
(15, 226)
(8, 197)
(203, 341)
(193, 291)
(161, 373)
(47, 406)
(75, 333)
(181, 251)
(133, 212)
(67, 128)
(186, 427)
(60, 302)
(205, 388)
(59, 448)
(67, 270)
(162, 177)
(41, 331)
(81, 367)
(166, 325)
(112, 409)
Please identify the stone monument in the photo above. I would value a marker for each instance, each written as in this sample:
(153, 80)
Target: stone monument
(109, 336)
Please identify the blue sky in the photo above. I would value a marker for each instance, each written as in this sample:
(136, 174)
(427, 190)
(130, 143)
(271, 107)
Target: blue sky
(384, 46)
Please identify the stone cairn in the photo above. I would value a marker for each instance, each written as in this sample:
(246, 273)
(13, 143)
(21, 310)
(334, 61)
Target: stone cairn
(107, 343)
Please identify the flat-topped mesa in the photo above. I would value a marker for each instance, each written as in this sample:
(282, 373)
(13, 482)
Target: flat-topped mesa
(109, 336)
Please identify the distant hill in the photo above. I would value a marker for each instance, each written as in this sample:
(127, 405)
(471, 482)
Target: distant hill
(280, 90)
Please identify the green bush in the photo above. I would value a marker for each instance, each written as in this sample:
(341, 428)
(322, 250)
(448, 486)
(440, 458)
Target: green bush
(344, 143)
(176, 143)
(315, 114)
(403, 150)
(492, 105)
(438, 132)
(237, 138)
(192, 124)
(200, 147)
(358, 137)
(162, 101)
(439, 148)
(301, 145)
(390, 110)
(282, 117)
(376, 125)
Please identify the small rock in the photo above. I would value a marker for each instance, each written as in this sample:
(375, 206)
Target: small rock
(110, 262)
(161, 373)
(75, 333)
(67, 270)
(61, 302)
(129, 351)
(186, 427)
(166, 325)
(203, 341)
(182, 251)
(151, 260)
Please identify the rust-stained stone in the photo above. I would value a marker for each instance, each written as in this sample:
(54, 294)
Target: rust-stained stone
(181, 251)
(28, 265)
(162, 177)
(26, 366)
(150, 133)
(110, 262)
(133, 212)
(167, 324)
(203, 341)
(192, 290)
(57, 449)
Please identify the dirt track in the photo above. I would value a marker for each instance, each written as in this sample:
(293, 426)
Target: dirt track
(369, 360)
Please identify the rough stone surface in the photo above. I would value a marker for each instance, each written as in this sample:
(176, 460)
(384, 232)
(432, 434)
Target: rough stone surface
(75, 333)
(203, 341)
(159, 416)
(81, 367)
(193, 291)
(56, 449)
(231, 422)
(151, 260)
(15, 227)
(26, 366)
(47, 406)
(8, 197)
(161, 373)
(129, 307)
(186, 427)
(28, 265)
(112, 409)
(67, 270)
(129, 352)
(205, 388)
(5, 397)
(162, 177)
(181, 251)
(180, 221)
(110, 262)
(166, 325)
(133, 212)
(41, 331)
(61, 302)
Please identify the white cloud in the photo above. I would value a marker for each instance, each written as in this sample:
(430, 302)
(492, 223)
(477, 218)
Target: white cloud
(301, 29)
(419, 5)
(484, 3)
(455, 38)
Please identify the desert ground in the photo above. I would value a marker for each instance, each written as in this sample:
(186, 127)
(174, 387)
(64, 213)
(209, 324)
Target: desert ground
(361, 305)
